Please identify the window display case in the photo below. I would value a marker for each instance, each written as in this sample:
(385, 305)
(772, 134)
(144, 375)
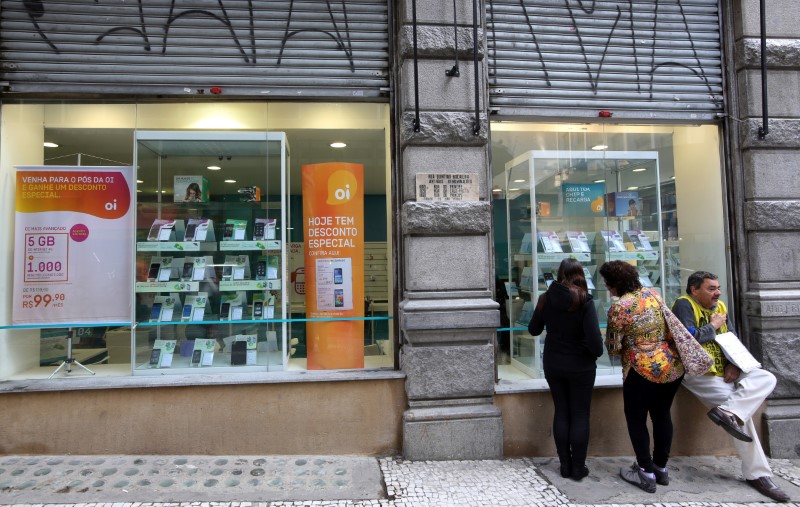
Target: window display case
(211, 258)
(593, 206)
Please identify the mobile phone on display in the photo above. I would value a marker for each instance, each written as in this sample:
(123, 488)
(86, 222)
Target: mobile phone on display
(225, 311)
(338, 298)
(548, 278)
(258, 309)
(152, 274)
(227, 271)
(239, 353)
(261, 270)
(155, 355)
(153, 234)
(188, 268)
(337, 276)
(155, 313)
(258, 230)
(196, 355)
(227, 233)
(190, 231)
(187, 312)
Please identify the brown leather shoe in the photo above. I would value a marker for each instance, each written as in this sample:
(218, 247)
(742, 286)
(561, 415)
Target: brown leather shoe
(729, 423)
(766, 487)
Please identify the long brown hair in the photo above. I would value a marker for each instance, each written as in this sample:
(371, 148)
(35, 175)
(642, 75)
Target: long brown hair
(570, 275)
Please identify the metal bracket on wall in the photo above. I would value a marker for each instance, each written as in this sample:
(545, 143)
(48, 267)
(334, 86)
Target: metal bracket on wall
(454, 72)
(763, 130)
(476, 127)
(415, 124)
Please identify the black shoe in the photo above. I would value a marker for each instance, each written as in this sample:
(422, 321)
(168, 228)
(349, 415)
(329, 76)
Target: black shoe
(729, 423)
(578, 473)
(766, 487)
(662, 478)
(566, 471)
(635, 476)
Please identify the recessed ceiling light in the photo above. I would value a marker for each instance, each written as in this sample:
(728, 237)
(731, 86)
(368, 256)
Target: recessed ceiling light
(639, 169)
(213, 168)
(519, 181)
(632, 188)
(50, 145)
(138, 189)
(163, 191)
(230, 181)
(599, 181)
(139, 181)
(672, 177)
(599, 147)
(513, 189)
(496, 190)
(338, 145)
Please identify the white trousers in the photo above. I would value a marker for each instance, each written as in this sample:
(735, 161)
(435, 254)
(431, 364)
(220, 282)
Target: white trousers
(742, 398)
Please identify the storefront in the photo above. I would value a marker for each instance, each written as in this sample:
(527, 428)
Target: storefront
(606, 144)
(279, 271)
(215, 221)
(206, 190)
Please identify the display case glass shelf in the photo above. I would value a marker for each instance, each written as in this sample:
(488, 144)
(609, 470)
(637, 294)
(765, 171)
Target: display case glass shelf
(580, 205)
(211, 264)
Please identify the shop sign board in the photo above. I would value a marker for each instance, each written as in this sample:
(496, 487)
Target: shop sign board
(73, 245)
(333, 221)
(583, 199)
(447, 187)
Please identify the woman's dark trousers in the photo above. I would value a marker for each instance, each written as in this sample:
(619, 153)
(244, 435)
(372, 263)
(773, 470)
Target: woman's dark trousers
(642, 397)
(572, 398)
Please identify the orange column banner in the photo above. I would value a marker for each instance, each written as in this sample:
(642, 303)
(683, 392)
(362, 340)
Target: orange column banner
(333, 217)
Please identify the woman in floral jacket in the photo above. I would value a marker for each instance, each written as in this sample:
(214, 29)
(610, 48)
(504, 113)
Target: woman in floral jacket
(651, 368)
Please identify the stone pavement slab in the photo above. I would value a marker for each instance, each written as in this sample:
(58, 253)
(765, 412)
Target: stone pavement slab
(696, 479)
(110, 479)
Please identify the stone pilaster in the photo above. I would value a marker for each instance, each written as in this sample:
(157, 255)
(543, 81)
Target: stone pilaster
(447, 314)
(768, 202)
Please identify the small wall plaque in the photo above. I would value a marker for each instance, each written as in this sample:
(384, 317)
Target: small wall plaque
(447, 187)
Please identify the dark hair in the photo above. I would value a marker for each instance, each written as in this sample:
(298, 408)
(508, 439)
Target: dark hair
(697, 278)
(632, 201)
(620, 276)
(195, 188)
(570, 275)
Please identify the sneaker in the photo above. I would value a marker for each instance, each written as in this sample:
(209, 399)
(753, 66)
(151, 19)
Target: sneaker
(662, 478)
(637, 477)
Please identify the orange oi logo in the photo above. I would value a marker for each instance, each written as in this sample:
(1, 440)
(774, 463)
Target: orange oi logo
(341, 186)
(597, 205)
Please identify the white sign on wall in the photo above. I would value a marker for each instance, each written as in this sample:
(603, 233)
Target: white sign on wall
(447, 187)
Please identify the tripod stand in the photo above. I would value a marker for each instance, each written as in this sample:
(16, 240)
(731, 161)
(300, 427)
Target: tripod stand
(69, 361)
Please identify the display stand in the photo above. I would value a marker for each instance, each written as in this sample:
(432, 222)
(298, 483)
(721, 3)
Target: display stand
(212, 274)
(69, 361)
(576, 205)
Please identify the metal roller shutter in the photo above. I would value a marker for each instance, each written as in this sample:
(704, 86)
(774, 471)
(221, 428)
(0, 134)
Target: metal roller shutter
(297, 48)
(647, 59)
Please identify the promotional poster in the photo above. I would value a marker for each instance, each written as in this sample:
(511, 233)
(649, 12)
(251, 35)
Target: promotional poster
(73, 245)
(333, 218)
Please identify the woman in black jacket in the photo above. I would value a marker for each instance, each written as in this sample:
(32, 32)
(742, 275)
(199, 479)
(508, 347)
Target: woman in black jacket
(571, 348)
